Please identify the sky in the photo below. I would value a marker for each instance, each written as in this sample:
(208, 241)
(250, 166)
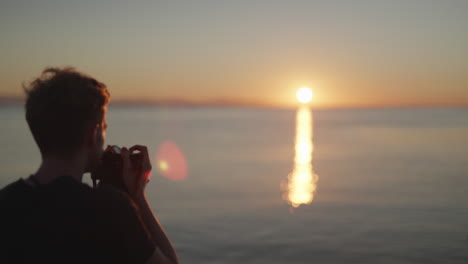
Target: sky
(350, 53)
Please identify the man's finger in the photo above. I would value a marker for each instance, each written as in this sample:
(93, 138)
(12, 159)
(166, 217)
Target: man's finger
(126, 159)
(141, 148)
(146, 160)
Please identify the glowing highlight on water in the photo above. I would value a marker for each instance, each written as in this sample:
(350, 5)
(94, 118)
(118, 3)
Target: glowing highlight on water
(302, 181)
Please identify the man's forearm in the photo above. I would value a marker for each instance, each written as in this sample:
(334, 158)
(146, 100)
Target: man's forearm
(157, 232)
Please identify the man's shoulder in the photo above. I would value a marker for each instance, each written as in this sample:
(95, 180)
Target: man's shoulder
(13, 189)
(105, 198)
(18, 184)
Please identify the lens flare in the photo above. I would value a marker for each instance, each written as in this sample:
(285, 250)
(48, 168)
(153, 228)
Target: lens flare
(171, 162)
(162, 165)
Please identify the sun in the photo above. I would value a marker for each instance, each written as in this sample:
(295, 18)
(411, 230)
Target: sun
(304, 95)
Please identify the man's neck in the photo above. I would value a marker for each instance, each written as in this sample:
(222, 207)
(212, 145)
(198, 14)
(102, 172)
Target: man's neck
(52, 168)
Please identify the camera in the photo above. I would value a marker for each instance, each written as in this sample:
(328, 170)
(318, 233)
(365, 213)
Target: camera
(110, 169)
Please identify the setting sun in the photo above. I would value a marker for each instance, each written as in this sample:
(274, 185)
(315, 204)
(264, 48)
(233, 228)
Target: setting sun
(304, 95)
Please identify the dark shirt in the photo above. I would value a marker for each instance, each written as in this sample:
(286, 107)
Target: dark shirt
(66, 221)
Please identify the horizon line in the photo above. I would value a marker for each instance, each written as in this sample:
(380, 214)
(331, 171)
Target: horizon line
(17, 100)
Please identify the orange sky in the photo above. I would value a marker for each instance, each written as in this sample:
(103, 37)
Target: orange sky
(356, 53)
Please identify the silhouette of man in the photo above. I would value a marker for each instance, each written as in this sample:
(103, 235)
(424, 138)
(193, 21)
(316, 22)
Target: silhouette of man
(51, 217)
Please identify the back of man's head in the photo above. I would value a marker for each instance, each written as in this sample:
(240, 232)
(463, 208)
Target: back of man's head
(61, 105)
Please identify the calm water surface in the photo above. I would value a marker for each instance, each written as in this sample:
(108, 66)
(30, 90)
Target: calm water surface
(382, 186)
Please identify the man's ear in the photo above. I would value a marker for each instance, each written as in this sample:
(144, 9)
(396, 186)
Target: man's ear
(91, 136)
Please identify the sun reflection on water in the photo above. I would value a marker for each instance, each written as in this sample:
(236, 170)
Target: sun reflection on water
(302, 181)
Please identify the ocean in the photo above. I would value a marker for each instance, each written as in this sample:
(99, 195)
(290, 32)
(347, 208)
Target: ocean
(292, 186)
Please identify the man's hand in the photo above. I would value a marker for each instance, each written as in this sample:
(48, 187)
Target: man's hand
(136, 180)
(136, 176)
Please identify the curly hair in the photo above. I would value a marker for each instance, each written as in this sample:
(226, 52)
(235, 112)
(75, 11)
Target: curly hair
(61, 105)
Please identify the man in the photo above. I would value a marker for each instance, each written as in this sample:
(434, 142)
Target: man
(51, 217)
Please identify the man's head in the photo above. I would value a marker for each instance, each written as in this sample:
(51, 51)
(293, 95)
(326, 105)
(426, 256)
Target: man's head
(66, 112)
